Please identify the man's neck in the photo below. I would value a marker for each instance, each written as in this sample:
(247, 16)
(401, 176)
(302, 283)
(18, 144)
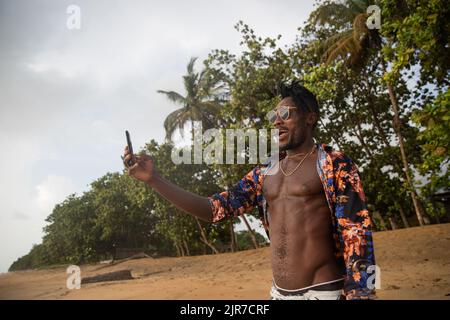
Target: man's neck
(304, 148)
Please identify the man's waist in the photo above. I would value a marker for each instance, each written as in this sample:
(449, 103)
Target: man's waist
(333, 285)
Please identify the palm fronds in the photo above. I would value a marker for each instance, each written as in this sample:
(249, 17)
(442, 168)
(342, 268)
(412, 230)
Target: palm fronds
(201, 102)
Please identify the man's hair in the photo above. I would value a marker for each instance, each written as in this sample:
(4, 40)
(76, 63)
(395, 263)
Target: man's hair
(304, 99)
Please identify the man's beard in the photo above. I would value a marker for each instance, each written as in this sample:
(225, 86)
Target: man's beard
(292, 144)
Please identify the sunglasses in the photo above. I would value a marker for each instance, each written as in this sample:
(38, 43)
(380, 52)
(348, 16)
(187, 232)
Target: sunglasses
(282, 112)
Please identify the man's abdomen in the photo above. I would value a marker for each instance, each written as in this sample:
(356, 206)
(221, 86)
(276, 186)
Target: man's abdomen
(302, 243)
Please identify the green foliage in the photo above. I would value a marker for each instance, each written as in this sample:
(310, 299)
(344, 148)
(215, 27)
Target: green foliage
(435, 138)
(244, 240)
(418, 32)
(36, 257)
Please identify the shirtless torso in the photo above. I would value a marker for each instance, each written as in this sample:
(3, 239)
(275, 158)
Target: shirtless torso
(300, 226)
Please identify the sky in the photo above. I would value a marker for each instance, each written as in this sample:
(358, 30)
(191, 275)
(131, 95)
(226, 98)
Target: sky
(68, 95)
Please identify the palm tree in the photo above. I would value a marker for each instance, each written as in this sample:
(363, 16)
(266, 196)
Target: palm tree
(352, 44)
(201, 102)
(353, 41)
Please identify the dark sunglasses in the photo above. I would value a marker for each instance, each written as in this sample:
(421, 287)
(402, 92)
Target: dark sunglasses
(282, 112)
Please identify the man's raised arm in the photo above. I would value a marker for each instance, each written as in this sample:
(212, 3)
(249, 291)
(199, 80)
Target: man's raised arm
(144, 170)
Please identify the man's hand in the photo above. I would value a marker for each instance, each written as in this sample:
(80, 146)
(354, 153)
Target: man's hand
(143, 168)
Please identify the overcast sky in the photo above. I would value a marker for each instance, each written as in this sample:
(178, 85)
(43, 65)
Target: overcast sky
(66, 96)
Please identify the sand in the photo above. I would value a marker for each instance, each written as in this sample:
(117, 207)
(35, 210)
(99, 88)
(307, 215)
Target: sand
(414, 262)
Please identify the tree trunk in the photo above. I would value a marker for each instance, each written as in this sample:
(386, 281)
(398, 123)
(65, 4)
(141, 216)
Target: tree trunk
(393, 224)
(232, 236)
(395, 164)
(378, 216)
(178, 250)
(437, 219)
(426, 219)
(396, 123)
(203, 237)
(182, 250)
(252, 233)
(110, 276)
(186, 247)
(402, 214)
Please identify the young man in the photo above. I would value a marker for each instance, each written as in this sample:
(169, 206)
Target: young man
(319, 225)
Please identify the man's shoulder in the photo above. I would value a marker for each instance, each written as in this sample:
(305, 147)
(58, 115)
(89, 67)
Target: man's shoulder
(336, 156)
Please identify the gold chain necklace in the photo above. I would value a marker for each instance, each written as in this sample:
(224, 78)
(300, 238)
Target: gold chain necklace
(294, 155)
(298, 165)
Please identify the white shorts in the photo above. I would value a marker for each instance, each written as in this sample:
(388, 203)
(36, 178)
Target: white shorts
(307, 293)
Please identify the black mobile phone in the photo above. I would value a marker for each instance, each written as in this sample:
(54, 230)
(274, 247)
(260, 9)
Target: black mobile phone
(130, 147)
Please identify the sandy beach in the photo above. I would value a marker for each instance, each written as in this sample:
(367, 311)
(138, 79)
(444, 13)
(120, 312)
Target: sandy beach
(414, 262)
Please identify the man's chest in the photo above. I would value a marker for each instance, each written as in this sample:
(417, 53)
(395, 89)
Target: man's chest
(303, 182)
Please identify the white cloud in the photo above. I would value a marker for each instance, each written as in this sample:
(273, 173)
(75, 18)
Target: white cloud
(18, 215)
(58, 63)
(52, 190)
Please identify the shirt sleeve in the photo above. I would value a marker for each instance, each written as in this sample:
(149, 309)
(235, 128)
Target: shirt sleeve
(238, 199)
(355, 230)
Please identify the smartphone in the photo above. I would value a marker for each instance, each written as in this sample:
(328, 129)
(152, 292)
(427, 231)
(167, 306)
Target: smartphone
(130, 147)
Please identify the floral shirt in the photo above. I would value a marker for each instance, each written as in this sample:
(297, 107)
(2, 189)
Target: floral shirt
(350, 218)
